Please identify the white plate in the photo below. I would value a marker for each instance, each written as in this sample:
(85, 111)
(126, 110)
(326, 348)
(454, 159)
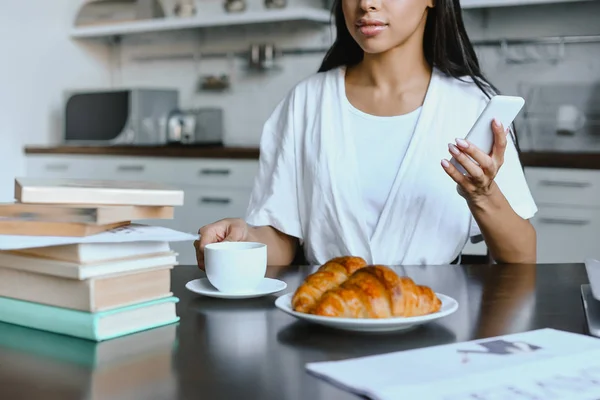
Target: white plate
(449, 306)
(267, 286)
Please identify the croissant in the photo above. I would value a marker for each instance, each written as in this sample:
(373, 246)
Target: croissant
(377, 292)
(328, 276)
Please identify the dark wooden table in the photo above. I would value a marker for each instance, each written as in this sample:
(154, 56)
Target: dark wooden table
(248, 349)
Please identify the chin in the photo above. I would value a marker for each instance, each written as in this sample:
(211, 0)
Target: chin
(375, 48)
(381, 43)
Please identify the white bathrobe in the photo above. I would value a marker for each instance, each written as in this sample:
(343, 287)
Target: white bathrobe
(308, 183)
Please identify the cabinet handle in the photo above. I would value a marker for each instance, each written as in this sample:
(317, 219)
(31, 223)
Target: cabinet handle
(214, 200)
(57, 167)
(130, 168)
(565, 184)
(209, 171)
(564, 221)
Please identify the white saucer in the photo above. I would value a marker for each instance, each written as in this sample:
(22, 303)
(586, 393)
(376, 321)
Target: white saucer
(449, 306)
(267, 286)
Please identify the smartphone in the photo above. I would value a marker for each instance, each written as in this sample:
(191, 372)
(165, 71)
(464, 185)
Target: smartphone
(503, 108)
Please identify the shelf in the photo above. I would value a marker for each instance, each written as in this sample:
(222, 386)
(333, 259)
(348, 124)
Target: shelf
(467, 4)
(312, 15)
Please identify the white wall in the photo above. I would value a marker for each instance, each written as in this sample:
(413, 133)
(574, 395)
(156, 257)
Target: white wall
(38, 61)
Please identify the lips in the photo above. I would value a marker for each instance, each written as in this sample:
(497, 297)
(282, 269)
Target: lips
(370, 27)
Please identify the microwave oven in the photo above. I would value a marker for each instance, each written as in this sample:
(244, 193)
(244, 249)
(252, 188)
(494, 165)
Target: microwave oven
(118, 117)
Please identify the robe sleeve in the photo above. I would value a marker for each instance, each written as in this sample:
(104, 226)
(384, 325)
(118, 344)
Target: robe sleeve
(274, 198)
(511, 181)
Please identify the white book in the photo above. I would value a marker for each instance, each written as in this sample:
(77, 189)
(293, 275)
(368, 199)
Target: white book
(97, 192)
(89, 270)
(541, 364)
(84, 253)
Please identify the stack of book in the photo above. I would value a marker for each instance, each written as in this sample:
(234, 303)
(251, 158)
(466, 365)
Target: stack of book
(68, 266)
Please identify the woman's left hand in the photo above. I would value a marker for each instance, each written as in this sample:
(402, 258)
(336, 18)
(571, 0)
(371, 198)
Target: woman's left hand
(478, 183)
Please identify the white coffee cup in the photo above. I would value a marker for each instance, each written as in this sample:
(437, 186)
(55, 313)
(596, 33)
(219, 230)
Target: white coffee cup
(235, 267)
(569, 119)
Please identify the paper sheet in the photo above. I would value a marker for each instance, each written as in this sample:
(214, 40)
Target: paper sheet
(130, 233)
(538, 365)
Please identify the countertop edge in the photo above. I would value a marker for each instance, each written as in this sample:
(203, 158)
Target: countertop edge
(547, 159)
(560, 160)
(249, 153)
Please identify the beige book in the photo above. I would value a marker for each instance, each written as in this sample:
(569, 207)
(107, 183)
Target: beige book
(97, 192)
(84, 271)
(82, 214)
(92, 295)
(10, 226)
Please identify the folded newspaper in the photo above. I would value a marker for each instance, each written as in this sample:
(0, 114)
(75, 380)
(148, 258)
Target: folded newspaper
(129, 233)
(544, 364)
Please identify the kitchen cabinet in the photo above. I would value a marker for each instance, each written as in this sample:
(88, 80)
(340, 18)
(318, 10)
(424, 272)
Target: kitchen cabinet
(214, 188)
(507, 3)
(567, 224)
(567, 234)
(568, 220)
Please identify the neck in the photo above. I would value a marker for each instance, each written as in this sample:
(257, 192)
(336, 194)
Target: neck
(399, 68)
(394, 69)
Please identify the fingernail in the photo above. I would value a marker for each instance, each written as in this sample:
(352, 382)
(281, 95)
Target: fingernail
(497, 123)
(453, 149)
(462, 143)
(445, 164)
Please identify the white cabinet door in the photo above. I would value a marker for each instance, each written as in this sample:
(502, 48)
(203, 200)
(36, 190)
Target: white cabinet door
(58, 167)
(567, 234)
(560, 186)
(207, 172)
(568, 220)
(177, 172)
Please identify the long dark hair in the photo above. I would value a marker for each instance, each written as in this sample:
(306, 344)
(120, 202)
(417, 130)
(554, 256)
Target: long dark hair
(445, 43)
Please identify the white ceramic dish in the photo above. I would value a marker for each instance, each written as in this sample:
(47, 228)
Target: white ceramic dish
(266, 287)
(449, 306)
(235, 266)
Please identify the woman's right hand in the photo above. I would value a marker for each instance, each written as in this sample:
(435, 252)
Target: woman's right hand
(225, 230)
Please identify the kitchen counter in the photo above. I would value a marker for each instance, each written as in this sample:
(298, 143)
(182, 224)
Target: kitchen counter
(529, 159)
(561, 160)
(150, 151)
(248, 349)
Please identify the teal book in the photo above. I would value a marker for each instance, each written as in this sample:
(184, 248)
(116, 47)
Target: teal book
(86, 353)
(98, 326)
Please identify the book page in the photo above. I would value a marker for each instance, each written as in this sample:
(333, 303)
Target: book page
(542, 364)
(129, 233)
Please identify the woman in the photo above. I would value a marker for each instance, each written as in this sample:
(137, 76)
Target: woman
(354, 158)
